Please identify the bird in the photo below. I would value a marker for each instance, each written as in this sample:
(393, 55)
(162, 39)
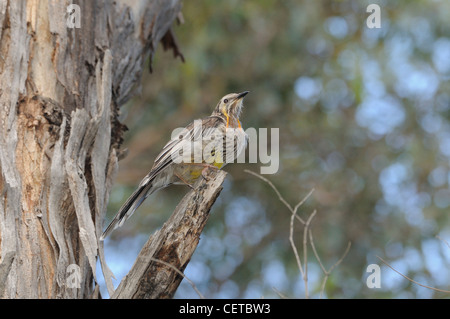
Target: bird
(213, 141)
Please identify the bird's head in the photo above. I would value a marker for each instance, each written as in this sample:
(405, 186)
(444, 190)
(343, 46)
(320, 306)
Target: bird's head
(230, 106)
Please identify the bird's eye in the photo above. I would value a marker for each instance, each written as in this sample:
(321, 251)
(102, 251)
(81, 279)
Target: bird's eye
(225, 101)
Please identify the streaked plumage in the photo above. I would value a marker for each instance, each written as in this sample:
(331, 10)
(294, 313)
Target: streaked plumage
(207, 136)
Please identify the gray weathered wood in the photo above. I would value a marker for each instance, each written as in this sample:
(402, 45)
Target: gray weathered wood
(174, 244)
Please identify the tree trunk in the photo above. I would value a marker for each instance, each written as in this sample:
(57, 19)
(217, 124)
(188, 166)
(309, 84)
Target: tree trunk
(61, 88)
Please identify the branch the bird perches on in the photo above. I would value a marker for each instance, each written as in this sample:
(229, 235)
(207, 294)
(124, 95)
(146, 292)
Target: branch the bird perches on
(173, 244)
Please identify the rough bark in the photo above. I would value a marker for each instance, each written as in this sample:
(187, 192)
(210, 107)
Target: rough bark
(173, 244)
(60, 93)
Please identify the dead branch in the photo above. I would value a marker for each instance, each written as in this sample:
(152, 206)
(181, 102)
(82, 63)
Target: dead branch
(174, 244)
(411, 280)
(181, 274)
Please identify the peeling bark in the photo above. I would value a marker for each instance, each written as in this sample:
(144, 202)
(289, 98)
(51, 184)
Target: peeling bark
(61, 90)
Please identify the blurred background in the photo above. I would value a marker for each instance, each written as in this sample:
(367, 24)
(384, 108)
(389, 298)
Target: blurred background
(363, 116)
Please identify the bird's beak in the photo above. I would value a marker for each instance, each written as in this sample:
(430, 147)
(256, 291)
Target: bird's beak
(241, 95)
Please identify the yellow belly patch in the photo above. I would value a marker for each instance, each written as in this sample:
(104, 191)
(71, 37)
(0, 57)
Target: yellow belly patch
(218, 165)
(196, 173)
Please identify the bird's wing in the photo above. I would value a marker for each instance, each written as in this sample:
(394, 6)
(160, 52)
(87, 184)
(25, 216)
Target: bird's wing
(173, 151)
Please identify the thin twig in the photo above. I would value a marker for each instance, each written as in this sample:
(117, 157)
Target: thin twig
(327, 272)
(181, 274)
(305, 251)
(303, 271)
(273, 187)
(443, 240)
(294, 247)
(282, 296)
(342, 258)
(322, 287)
(315, 252)
(303, 268)
(300, 203)
(281, 198)
(412, 280)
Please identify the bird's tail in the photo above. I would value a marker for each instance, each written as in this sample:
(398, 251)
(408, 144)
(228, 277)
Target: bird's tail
(129, 207)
